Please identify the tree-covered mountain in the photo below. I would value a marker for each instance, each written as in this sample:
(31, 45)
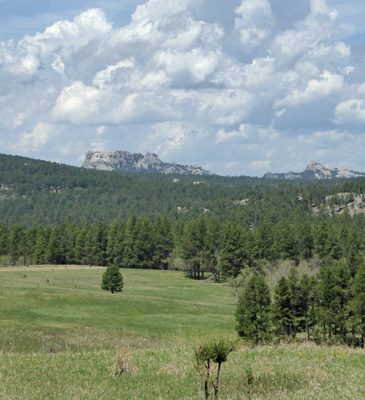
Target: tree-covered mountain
(35, 192)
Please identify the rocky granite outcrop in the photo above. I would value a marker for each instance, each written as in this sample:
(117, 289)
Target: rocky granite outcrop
(315, 171)
(136, 162)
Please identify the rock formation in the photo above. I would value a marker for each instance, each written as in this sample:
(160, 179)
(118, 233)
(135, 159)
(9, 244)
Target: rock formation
(136, 162)
(314, 171)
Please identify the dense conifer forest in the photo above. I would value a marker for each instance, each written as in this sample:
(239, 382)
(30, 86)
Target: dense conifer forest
(223, 227)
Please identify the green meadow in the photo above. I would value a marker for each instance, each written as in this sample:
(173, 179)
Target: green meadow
(64, 308)
(60, 334)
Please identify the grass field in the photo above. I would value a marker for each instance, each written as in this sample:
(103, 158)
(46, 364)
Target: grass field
(59, 334)
(64, 307)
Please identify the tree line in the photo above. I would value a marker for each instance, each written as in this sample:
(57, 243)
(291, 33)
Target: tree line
(329, 307)
(201, 245)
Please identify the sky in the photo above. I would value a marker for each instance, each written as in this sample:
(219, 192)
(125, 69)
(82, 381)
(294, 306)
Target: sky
(239, 87)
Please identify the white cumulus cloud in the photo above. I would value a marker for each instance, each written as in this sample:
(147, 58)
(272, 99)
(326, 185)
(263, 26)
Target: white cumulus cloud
(237, 86)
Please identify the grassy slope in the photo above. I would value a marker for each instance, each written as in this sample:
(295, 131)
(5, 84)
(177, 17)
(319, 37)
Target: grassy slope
(66, 308)
(156, 320)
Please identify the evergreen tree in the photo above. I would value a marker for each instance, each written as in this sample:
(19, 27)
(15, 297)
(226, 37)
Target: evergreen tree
(4, 239)
(193, 246)
(306, 241)
(265, 240)
(115, 244)
(17, 243)
(357, 305)
(163, 242)
(212, 248)
(283, 311)
(112, 279)
(285, 244)
(96, 244)
(41, 245)
(335, 281)
(306, 309)
(253, 311)
(80, 252)
(130, 256)
(144, 245)
(232, 257)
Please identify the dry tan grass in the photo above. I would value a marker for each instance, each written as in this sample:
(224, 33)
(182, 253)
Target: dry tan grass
(121, 365)
(48, 268)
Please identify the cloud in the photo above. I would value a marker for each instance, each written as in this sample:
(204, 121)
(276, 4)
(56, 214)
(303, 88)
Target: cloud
(260, 165)
(223, 136)
(316, 89)
(37, 139)
(266, 82)
(350, 112)
(254, 23)
(158, 9)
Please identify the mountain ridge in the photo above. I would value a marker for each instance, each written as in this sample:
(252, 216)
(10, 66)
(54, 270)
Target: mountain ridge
(125, 161)
(316, 171)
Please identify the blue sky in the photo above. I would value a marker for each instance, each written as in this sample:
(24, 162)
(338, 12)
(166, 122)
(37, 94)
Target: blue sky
(240, 87)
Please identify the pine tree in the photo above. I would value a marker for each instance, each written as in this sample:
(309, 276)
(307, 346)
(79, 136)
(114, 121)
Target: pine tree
(115, 244)
(232, 257)
(283, 311)
(334, 291)
(144, 245)
(163, 242)
(306, 241)
(253, 311)
(193, 246)
(306, 309)
(112, 279)
(4, 239)
(130, 256)
(357, 304)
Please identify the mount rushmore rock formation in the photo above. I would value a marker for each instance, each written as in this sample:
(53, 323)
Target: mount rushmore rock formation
(136, 162)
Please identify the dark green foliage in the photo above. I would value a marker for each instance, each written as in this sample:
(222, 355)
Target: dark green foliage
(130, 255)
(4, 239)
(334, 291)
(112, 279)
(233, 256)
(163, 242)
(253, 312)
(116, 245)
(193, 246)
(17, 246)
(306, 305)
(283, 310)
(356, 321)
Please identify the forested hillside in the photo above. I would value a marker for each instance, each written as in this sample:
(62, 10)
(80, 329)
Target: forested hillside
(229, 227)
(36, 193)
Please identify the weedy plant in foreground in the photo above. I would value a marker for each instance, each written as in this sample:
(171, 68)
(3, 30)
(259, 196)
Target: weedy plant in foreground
(249, 377)
(207, 357)
(121, 365)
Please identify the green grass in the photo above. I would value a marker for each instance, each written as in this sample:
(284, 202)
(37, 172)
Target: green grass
(66, 308)
(59, 334)
(296, 372)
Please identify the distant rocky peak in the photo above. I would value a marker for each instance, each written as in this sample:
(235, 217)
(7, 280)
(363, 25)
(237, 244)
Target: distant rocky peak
(315, 170)
(314, 165)
(136, 162)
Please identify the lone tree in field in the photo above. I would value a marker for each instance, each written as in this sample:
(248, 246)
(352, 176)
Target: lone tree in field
(112, 279)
